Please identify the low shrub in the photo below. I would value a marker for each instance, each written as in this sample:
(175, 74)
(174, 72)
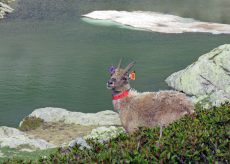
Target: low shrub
(30, 123)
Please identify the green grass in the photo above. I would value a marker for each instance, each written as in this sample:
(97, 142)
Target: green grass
(16, 156)
(200, 138)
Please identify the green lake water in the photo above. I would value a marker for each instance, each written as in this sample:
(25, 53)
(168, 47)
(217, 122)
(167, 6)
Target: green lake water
(50, 57)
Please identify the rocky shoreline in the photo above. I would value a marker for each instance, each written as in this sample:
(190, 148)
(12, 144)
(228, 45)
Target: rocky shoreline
(58, 128)
(5, 8)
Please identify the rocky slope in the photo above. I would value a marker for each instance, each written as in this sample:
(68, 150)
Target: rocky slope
(13, 138)
(60, 127)
(208, 79)
(68, 125)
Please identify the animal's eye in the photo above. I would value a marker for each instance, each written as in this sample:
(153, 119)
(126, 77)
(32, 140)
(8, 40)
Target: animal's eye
(113, 79)
(124, 78)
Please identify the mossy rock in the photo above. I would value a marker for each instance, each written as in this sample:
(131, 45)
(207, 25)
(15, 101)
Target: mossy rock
(31, 123)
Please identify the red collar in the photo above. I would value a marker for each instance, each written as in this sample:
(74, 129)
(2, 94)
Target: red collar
(121, 95)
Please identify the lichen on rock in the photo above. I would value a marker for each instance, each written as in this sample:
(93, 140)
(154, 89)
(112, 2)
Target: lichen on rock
(103, 134)
(208, 79)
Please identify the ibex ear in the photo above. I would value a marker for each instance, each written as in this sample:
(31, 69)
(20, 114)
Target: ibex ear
(128, 68)
(132, 75)
(111, 70)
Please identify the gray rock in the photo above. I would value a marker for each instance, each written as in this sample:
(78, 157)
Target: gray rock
(4, 9)
(79, 141)
(208, 79)
(14, 138)
(100, 134)
(50, 114)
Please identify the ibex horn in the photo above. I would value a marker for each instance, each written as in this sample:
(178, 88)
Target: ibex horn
(119, 64)
(127, 69)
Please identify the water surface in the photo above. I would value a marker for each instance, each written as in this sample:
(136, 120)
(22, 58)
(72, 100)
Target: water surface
(50, 57)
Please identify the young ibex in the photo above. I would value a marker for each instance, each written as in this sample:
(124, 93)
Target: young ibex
(147, 109)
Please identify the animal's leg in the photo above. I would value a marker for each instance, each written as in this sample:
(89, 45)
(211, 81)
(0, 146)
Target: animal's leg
(132, 127)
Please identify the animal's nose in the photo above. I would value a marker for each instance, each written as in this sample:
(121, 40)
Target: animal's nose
(110, 82)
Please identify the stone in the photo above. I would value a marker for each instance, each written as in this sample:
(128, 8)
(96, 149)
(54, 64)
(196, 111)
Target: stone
(103, 134)
(207, 79)
(14, 138)
(100, 134)
(103, 118)
(4, 9)
(156, 22)
(79, 141)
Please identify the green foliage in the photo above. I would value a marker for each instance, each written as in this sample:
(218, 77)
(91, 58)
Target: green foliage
(16, 156)
(200, 138)
(31, 123)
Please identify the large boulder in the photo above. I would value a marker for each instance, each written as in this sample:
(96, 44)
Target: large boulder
(208, 79)
(14, 138)
(49, 114)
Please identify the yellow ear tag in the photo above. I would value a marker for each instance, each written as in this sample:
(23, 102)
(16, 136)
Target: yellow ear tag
(132, 75)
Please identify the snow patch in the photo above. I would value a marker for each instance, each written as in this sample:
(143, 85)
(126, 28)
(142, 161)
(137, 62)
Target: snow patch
(157, 22)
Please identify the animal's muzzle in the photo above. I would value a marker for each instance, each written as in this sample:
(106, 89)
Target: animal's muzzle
(110, 84)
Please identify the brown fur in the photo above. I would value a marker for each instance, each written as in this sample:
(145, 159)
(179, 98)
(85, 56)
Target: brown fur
(148, 109)
(153, 108)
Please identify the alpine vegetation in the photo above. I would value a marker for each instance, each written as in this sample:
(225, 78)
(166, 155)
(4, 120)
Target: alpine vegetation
(147, 109)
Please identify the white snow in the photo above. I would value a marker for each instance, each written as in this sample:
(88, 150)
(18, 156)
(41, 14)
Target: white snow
(157, 22)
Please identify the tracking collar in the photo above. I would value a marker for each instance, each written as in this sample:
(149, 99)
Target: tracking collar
(121, 95)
